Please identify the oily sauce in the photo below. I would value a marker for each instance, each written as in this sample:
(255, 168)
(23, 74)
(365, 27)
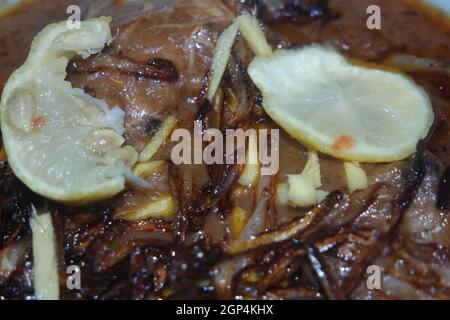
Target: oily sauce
(406, 28)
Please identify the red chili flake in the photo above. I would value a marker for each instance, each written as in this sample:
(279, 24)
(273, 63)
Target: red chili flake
(38, 123)
(343, 142)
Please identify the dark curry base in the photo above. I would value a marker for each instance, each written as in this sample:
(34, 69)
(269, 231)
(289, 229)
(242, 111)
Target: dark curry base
(186, 257)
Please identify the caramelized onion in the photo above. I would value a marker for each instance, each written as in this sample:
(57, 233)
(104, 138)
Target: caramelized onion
(283, 233)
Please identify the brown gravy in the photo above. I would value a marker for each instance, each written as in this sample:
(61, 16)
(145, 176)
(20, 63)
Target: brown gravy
(406, 28)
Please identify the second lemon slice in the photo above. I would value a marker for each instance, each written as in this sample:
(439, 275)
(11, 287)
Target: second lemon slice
(347, 111)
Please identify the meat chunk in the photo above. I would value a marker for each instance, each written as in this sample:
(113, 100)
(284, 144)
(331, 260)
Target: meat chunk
(416, 264)
(157, 63)
(352, 234)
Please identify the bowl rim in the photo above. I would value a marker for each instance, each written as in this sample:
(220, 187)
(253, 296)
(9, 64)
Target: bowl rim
(441, 5)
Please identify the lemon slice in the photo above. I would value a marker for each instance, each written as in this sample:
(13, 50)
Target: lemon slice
(62, 143)
(343, 110)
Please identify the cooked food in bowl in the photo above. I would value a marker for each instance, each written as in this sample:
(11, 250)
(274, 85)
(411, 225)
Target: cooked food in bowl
(267, 149)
